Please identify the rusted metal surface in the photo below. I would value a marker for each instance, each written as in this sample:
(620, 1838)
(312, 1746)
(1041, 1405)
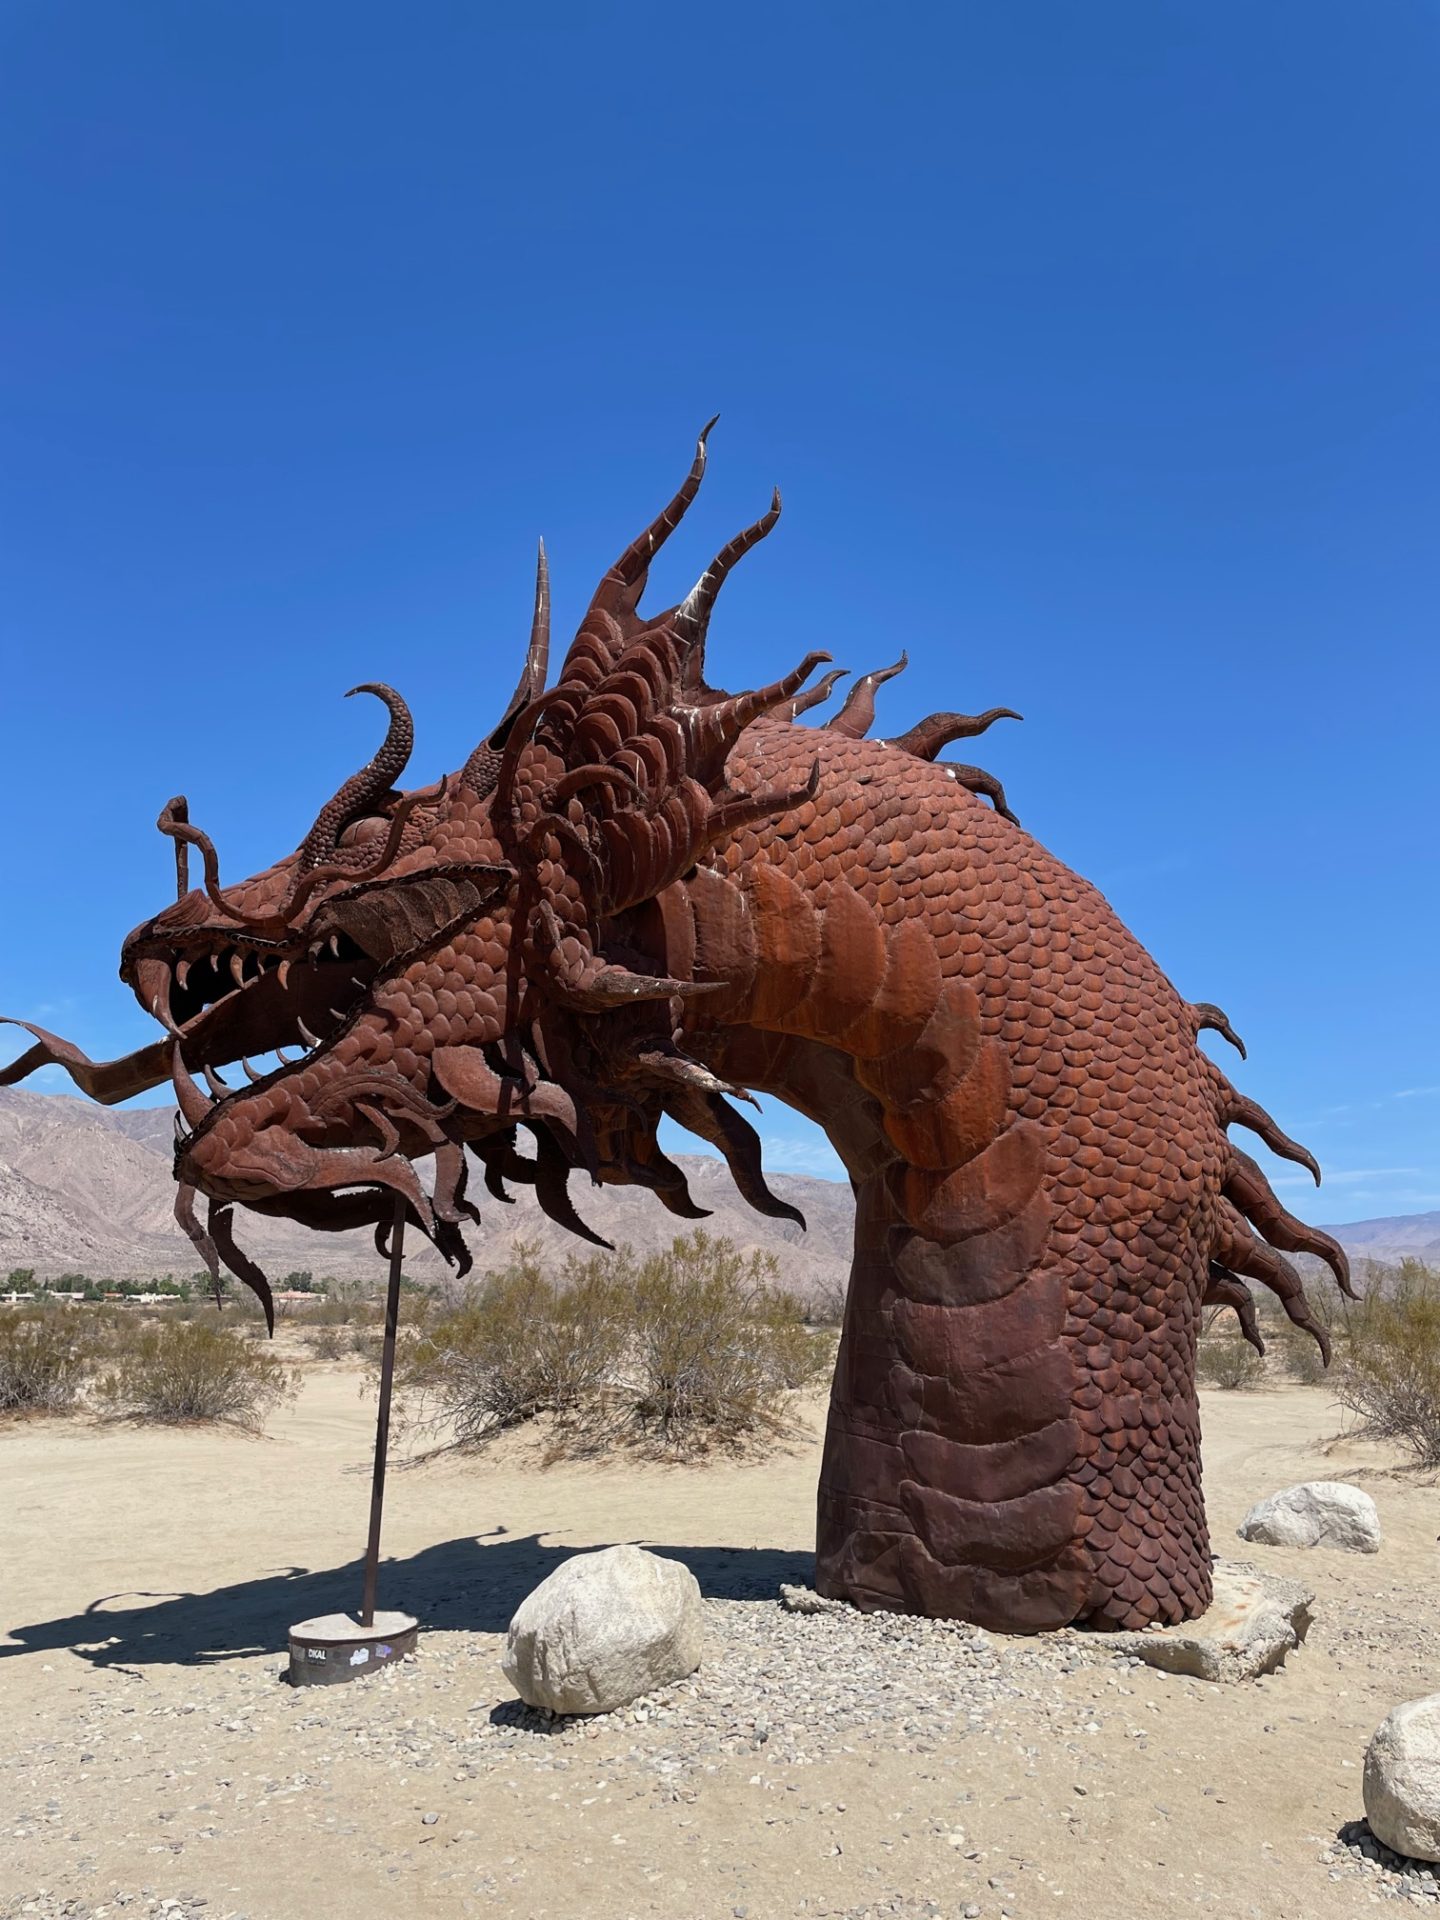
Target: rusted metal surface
(643, 896)
(382, 1414)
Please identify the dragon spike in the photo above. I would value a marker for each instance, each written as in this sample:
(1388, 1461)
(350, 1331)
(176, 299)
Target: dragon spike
(197, 1235)
(720, 724)
(1239, 1111)
(715, 1120)
(178, 811)
(749, 810)
(368, 787)
(857, 716)
(220, 1221)
(552, 1175)
(634, 563)
(618, 987)
(188, 1097)
(1207, 1015)
(937, 730)
(692, 616)
(537, 660)
(1226, 1289)
(212, 1080)
(817, 695)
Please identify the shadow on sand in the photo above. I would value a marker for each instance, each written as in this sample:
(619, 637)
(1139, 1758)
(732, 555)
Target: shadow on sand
(468, 1585)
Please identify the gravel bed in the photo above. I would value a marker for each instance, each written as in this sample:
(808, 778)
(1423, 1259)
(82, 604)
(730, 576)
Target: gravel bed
(799, 1686)
(1358, 1855)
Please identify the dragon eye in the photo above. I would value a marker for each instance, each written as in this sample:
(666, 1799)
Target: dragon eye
(360, 833)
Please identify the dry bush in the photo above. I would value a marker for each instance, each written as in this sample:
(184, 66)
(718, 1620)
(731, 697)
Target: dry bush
(185, 1371)
(687, 1348)
(825, 1306)
(1390, 1377)
(44, 1357)
(325, 1343)
(1298, 1354)
(346, 1305)
(517, 1345)
(717, 1345)
(1225, 1358)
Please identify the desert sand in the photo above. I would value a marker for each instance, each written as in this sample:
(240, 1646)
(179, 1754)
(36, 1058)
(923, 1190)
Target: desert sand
(812, 1767)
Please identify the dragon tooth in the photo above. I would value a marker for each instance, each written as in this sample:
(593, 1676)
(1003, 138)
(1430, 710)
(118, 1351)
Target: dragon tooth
(283, 973)
(182, 971)
(250, 1074)
(237, 966)
(212, 1080)
(334, 944)
(310, 1039)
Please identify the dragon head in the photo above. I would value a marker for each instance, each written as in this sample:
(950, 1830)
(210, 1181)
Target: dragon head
(486, 963)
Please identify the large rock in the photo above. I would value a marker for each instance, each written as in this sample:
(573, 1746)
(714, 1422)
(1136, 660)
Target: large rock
(1318, 1513)
(1402, 1779)
(603, 1629)
(1252, 1622)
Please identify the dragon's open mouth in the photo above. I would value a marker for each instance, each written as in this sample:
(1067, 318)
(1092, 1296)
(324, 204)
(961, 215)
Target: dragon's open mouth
(238, 999)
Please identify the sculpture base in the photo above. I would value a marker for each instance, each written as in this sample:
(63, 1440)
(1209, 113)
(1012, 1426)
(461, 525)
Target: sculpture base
(333, 1647)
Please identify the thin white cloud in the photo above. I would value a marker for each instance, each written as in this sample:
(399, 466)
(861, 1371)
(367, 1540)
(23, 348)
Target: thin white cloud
(815, 1157)
(1413, 1093)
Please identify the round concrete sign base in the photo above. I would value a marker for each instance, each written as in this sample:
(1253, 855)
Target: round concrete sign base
(333, 1647)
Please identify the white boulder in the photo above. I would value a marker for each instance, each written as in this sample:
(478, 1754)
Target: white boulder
(1318, 1513)
(1402, 1779)
(1252, 1622)
(603, 1629)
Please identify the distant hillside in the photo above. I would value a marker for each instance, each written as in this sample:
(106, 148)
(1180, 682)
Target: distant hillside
(1416, 1235)
(84, 1189)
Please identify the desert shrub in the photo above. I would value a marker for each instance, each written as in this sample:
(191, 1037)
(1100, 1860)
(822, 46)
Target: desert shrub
(1390, 1376)
(44, 1356)
(515, 1346)
(196, 1370)
(717, 1345)
(344, 1305)
(326, 1343)
(1225, 1358)
(825, 1306)
(1298, 1354)
(681, 1350)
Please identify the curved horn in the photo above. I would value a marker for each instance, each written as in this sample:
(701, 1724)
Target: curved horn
(857, 716)
(630, 569)
(817, 695)
(692, 616)
(370, 785)
(937, 730)
(531, 683)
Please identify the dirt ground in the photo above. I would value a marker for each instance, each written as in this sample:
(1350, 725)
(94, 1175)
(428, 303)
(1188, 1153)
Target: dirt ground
(151, 1755)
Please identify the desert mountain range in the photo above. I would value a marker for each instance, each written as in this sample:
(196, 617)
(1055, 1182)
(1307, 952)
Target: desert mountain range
(87, 1189)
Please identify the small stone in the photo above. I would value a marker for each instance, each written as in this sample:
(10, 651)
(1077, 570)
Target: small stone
(429, 1819)
(806, 1600)
(1317, 1513)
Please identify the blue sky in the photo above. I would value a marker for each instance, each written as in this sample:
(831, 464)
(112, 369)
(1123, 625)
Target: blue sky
(1095, 349)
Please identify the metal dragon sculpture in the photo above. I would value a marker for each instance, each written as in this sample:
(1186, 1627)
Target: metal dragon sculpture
(643, 896)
